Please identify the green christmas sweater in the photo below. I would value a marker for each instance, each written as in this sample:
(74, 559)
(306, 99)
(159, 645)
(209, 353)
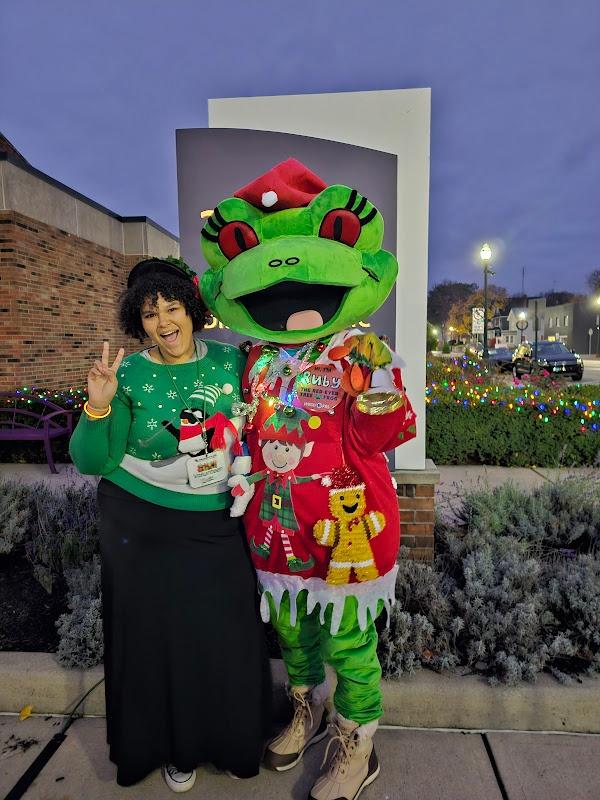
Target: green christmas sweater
(163, 417)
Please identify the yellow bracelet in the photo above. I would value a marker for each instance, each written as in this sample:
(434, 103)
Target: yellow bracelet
(379, 403)
(91, 414)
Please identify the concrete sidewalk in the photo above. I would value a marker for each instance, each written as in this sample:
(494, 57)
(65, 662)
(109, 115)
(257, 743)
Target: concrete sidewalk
(415, 765)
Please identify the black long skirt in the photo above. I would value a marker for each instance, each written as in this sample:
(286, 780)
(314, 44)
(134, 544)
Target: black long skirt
(187, 672)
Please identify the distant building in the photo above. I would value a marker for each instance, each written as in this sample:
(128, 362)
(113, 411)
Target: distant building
(64, 260)
(569, 323)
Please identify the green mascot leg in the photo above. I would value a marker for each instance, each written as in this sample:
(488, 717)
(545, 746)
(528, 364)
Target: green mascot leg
(301, 650)
(300, 643)
(352, 653)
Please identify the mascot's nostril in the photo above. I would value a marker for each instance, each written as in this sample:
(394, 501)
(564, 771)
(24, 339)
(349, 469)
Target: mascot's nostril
(275, 262)
(291, 261)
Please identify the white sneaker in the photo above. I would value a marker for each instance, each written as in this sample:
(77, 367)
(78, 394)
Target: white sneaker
(178, 781)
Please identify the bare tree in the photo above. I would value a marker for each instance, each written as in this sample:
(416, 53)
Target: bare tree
(445, 295)
(593, 281)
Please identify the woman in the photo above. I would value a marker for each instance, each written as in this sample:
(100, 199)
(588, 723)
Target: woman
(186, 669)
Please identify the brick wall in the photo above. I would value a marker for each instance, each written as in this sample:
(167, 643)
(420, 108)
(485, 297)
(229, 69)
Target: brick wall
(58, 301)
(417, 512)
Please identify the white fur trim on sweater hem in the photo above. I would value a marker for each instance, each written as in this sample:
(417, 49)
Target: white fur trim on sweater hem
(323, 594)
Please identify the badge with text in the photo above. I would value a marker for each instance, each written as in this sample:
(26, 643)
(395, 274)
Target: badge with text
(206, 469)
(319, 388)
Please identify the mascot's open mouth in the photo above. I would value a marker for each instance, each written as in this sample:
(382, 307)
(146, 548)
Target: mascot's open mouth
(290, 305)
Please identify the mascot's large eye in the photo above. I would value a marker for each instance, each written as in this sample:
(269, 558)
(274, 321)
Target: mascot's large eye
(342, 225)
(235, 237)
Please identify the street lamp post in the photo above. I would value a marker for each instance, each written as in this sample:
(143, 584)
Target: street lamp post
(598, 326)
(485, 254)
(522, 325)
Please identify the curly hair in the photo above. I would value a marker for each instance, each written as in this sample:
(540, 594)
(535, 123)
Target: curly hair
(148, 288)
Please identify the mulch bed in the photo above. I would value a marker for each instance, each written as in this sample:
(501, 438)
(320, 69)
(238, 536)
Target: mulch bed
(27, 612)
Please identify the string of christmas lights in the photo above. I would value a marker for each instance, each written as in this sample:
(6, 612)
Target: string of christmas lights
(463, 382)
(470, 385)
(72, 398)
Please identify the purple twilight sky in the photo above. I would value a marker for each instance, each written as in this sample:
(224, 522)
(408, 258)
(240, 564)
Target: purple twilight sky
(92, 94)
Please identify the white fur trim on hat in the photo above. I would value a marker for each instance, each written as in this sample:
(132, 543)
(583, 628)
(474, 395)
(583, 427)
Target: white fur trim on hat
(358, 486)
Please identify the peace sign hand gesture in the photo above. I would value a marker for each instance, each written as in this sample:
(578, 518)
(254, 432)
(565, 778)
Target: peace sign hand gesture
(102, 381)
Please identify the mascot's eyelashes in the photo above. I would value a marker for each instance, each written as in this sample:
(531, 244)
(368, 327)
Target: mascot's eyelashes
(217, 221)
(352, 199)
(360, 208)
(218, 217)
(344, 224)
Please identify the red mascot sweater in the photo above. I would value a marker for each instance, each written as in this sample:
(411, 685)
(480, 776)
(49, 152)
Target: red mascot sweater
(324, 516)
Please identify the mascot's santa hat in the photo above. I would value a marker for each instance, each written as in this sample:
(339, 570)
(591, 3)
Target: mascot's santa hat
(287, 185)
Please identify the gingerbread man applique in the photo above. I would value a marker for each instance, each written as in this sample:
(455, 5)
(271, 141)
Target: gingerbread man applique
(351, 529)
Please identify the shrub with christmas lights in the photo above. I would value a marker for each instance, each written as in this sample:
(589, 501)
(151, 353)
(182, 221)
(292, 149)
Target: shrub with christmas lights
(477, 418)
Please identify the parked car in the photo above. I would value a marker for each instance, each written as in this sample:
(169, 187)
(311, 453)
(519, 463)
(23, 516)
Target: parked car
(499, 357)
(554, 357)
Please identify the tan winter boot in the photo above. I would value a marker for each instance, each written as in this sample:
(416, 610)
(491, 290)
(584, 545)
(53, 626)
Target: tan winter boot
(308, 726)
(353, 764)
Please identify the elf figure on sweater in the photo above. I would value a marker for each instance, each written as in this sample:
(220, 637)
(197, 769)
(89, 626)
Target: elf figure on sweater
(296, 263)
(283, 448)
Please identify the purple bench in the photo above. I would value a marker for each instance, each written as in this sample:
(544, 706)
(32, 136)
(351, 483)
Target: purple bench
(39, 420)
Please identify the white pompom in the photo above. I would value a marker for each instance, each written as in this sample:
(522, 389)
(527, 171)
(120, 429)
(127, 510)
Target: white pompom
(227, 388)
(269, 199)
(326, 481)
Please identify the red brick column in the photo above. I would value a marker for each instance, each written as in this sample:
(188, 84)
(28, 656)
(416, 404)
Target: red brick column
(416, 501)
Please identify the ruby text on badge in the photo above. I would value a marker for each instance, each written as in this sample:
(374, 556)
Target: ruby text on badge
(319, 388)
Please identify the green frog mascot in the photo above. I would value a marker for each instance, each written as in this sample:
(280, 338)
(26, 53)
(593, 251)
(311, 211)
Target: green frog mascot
(295, 264)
